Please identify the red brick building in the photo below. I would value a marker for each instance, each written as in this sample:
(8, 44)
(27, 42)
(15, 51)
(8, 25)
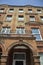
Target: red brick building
(21, 35)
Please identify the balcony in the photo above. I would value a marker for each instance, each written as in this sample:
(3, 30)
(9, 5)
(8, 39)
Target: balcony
(17, 36)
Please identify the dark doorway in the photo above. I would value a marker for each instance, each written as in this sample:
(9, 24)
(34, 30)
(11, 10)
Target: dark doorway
(19, 63)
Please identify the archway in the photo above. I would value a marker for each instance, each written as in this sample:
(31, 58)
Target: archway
(20, 54)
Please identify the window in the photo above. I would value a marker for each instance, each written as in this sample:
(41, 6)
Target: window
(32, 18)
(2, 10)
(21, 10)
(5, 30)
(41, 58)
(20, 31)
(19, 56)
(20, 18)
(36, 33)
(38, 11)
(9, 18)
(11, 10)
(30, 10)
(41, 18)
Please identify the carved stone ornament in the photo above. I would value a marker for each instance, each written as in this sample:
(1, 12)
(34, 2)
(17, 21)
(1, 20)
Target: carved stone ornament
(1, 41)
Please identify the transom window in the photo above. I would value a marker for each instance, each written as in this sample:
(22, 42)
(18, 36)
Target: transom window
(36, 33)
(32, 18)
(9, 18)
(21, 10)
(11, 10)
(30, 10)
(41, 17)
(20, 56)
(1, 9)
(20, 31)
(5, 30)
(20, 18)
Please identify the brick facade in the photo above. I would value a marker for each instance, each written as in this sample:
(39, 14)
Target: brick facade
(27, 43)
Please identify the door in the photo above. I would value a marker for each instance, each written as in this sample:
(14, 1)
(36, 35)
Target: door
(19, 58)
(18, 62)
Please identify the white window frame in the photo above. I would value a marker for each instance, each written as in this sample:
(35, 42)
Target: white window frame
(37, 34)
(41, 18)
(5, 30)
(8, 18)
(30, 11)
(11, 10)
(39, 11)
(1, 10)
(20, 30)
(32, 19)
(21, 11)
(20, 19)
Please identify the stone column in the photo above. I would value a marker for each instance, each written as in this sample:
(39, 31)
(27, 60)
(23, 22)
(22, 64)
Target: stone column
(3, 60)
(36, 60)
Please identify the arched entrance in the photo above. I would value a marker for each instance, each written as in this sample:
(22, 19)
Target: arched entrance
(20, 54)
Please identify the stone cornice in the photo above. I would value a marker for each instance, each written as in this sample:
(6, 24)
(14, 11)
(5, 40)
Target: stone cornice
(34, 23)
(11, 36)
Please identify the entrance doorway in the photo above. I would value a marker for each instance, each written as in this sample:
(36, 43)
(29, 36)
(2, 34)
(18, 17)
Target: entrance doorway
(19, 58)
(19, 63)
(20, 55)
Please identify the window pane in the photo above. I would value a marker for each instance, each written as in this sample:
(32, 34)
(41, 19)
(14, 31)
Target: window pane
(2, 10)
(38, 11)
(38, 37)
(32, 18)
(9, 18)
(21, 10)
(20, 31)
(5, 30)
(30, 10)
(11, 10)
(41, 17)
(35, 31)
(20, 17)
(19, 56)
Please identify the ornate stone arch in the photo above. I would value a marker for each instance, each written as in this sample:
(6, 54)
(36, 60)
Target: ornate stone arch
(21, 43)
(2, 47)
